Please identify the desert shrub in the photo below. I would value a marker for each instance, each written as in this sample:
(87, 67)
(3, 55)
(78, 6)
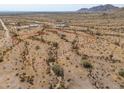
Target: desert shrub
(84, 57)
(42, 40)
(73, 42)
(122, 86)
(69, 80)
(117, 43)
(62, 86)
(30, 80)
(25, 78)
(18, 24)
(51, 86)
(75, 47)
(67, 58)
(86, 64)
(51, 59)
(37, 47)
(121, 72)
(98, 33)
(1, 59)
(58, 70)
(35, 38)
(2, 55)
(18, 29)
(63, 36)
(55, 44)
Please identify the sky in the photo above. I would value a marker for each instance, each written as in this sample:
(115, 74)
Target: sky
(51, 7)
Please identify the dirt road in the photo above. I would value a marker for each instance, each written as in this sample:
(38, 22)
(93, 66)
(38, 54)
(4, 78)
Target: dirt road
(6, 41)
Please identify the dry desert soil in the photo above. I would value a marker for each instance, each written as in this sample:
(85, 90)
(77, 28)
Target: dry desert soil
(62, 50)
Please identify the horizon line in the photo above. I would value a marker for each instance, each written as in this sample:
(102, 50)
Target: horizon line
(49, 8)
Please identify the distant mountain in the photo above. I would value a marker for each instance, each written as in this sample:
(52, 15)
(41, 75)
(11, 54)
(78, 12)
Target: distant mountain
(100, 8)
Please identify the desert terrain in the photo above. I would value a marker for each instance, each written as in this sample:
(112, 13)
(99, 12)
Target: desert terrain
(62, 51)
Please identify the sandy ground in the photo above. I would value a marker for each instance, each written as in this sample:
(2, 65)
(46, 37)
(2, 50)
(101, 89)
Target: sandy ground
(29, 61)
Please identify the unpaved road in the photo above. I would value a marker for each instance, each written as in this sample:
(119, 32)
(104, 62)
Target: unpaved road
(6, 41)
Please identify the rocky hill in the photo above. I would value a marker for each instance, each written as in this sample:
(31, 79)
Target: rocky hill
(100, 8)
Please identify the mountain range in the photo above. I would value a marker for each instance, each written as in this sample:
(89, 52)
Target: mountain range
(100, 8)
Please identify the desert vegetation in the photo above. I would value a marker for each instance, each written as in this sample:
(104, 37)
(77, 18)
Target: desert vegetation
(62, 50)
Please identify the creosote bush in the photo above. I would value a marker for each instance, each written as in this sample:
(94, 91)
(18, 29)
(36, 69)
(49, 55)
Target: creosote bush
(62, 86)
(51, 59)
(55, 44)
(58, 70)
(37, 47)
(1, 59)
(121, 72)
(86, 64)
(84, 57)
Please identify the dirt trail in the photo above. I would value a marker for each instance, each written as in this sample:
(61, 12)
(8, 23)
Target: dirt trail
(6, 41)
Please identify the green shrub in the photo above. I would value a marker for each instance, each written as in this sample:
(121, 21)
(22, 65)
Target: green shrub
(62, 86)
(86, 64)
(51, 86)
(121, 72)
(58, 70)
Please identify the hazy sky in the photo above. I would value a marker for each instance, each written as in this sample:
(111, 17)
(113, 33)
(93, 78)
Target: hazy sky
(57, 7)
